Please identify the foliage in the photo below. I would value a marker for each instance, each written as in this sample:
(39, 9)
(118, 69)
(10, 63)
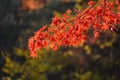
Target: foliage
(72, 29)
(97, 59)
(31, 5)
(91, 62)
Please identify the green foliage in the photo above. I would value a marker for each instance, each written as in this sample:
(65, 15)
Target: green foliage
(71, 64)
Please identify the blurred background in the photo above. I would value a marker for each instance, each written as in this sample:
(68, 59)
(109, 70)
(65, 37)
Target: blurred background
(19, 19)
